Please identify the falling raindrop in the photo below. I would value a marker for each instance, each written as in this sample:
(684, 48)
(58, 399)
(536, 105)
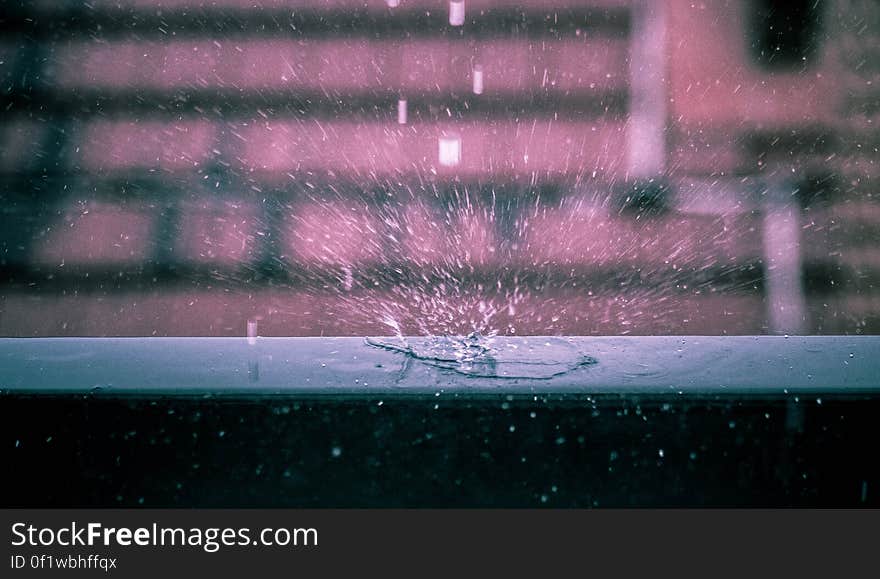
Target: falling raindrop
(456, 12)
(478, 79)
(450, 150)
(252, 332)
(401, 112)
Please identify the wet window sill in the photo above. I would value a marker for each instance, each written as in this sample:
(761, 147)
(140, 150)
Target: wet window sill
(351, 366)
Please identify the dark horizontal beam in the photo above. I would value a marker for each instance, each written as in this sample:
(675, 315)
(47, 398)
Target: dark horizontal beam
(745, 278)
(866, 103)
(234, 104)
(19, 189)
(204, 22)
(792, 143)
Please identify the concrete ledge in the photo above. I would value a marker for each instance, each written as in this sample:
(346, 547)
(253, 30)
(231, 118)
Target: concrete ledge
(683, 365)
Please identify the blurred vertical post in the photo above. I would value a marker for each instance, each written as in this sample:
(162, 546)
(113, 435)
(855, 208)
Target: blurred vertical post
(786, 307)
(646, 136)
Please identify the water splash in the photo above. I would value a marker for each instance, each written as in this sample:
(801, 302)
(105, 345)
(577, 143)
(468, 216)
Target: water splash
(488, 356)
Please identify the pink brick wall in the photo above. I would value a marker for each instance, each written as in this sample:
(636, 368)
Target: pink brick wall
(345, 65)
(218, 233)
(97, 234)
(498, 148)
(119, 145)
(714, 82)
(334, 233)
(717, 97)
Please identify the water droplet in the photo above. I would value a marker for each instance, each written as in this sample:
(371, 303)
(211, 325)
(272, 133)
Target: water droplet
(450, 150)
(482, 356)
(251, 332)
(402, 112)
(478, 79)
(456, 12)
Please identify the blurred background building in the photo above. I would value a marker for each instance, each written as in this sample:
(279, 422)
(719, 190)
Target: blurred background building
(339, 167)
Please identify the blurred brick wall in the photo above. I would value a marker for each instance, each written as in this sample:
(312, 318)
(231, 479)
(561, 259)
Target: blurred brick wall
(178, 167)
